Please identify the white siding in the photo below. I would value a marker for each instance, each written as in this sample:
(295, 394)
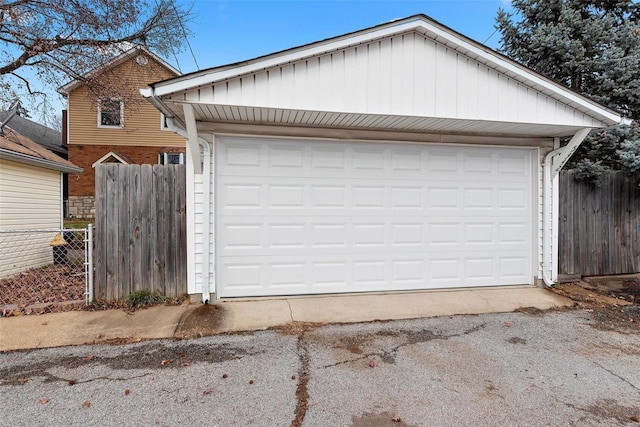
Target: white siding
(405, 75)
(30, 198)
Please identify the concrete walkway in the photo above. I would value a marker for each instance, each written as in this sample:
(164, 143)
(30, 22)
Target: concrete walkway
(81, 327)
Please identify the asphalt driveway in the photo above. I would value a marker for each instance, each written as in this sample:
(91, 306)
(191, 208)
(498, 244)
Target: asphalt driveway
(526, 369)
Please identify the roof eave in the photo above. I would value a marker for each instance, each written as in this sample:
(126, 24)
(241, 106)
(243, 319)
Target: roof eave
(34, 161)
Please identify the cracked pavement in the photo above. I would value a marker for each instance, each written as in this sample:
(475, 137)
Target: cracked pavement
(539, 369)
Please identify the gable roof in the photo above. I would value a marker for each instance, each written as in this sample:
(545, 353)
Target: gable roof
(19, 148)
(129, 53)
(50, 139)
(412, 74)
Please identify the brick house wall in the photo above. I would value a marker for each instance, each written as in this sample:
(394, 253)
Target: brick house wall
(81, 202)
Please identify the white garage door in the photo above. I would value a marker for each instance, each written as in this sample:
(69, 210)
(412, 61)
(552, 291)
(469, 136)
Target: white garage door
(311, 217)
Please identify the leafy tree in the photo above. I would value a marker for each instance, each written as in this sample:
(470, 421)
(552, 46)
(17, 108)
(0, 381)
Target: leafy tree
(57, 41)
(592, 47)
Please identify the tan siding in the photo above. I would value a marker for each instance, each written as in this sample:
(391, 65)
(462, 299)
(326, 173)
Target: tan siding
(141, 122)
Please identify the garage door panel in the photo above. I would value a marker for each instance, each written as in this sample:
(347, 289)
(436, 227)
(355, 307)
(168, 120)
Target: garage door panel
(300, 217)
(313, 235)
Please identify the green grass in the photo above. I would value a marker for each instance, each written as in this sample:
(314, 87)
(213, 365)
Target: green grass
(76, 223)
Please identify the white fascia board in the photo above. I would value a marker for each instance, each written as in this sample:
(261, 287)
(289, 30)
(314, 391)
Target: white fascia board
(484, 55)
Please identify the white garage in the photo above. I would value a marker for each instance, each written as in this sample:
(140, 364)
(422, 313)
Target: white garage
(400, 157)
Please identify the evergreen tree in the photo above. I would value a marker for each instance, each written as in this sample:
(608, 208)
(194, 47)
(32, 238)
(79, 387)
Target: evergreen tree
(592, 47)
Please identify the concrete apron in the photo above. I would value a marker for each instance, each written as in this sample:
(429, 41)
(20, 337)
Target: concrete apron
(83, 327)
(247, 315)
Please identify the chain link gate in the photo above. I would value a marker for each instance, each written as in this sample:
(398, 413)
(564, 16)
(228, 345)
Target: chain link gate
(44, 271)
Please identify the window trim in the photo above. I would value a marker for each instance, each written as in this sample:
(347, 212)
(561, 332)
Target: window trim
(162, 157)
(100, 125)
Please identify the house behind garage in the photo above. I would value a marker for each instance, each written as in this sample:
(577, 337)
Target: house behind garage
(400, 157)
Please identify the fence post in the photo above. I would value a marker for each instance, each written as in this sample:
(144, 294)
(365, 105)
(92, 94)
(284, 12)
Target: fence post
(90, 262)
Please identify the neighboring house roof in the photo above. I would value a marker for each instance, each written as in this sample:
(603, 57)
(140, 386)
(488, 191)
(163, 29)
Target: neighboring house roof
(124, 56)
(19, 148)
(416, 60)
(49, 138)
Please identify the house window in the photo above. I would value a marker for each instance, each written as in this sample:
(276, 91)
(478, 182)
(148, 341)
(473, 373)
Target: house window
(171, 158)
(110, 113)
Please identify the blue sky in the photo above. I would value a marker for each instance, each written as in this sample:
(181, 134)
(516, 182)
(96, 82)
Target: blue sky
(227, 31)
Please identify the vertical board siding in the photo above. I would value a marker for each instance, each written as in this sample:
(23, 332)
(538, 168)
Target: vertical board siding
(407, 74)
(140, 230)
(599, 226)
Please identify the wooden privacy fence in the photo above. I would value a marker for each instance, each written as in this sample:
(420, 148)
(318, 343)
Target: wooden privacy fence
(140, 230)
(599, 230)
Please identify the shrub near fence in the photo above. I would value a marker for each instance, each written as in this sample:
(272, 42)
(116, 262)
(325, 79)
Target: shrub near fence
(599, 229)
(36, 277)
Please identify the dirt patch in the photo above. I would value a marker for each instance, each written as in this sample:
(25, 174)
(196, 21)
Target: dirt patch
(624, 287)
(586, 296)
(613, 300)
(297, 328)
(608, 409)
(383, 419)
(200, 322)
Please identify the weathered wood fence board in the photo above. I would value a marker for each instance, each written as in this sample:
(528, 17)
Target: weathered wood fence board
(140, 230)
(599, 230)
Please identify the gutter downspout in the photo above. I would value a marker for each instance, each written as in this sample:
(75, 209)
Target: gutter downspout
(550, 171)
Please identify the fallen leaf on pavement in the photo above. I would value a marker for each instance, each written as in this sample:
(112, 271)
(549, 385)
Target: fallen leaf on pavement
(44, 400)
(86, 404)
(89, 357)
(186, 364)
(250, 381)
(206, 390)
(396, 419)
(126, 392)
(72, 382)
(506, 324)
(166, 362)
(635, 419)
(372, 363)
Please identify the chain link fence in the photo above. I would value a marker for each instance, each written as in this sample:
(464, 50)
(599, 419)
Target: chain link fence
(44, 271)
